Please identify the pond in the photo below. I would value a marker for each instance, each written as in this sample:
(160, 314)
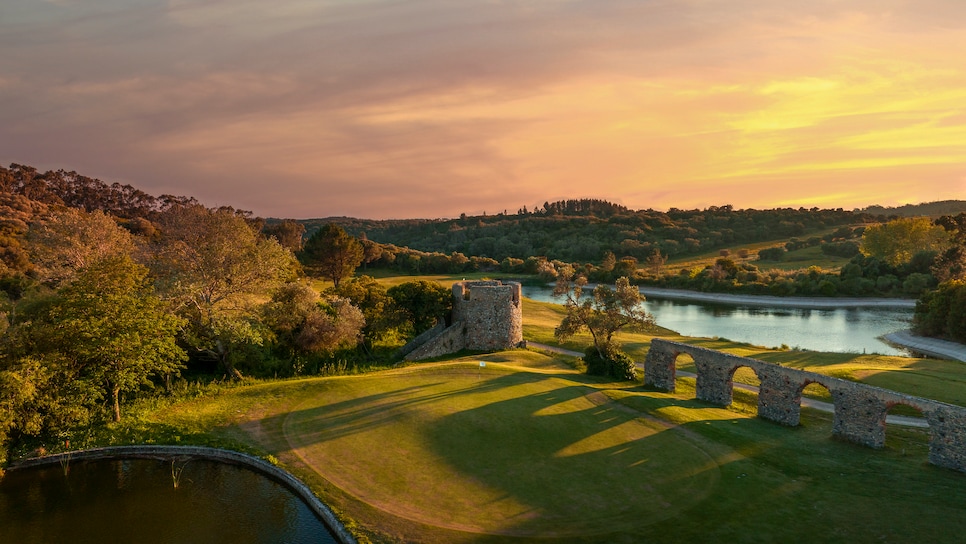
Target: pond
(843, 330)
(136, 500)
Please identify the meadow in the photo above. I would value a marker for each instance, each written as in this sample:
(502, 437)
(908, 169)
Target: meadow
(525, 448)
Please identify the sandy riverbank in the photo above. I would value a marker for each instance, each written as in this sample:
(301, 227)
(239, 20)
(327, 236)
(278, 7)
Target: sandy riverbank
(822, 303)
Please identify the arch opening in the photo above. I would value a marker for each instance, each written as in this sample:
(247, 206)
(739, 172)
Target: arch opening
(818, 398)
(907, 431)
(745, 385)
(685, 374)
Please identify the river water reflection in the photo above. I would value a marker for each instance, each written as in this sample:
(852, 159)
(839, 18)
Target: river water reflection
(136, 501)
(847, 330)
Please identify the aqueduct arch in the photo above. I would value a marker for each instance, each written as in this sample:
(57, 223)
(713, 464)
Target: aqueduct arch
(860, 409)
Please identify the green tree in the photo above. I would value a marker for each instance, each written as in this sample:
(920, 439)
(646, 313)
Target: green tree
(106, 331)
(942, 312)
(604, 313)
(214, 267)
(333, 252)
(371, 297)
(111, 321)
(334, 325)
(608, 263)
(307, 324)
(422, 303)
(897, 241)
(70, 239)
(287, 233)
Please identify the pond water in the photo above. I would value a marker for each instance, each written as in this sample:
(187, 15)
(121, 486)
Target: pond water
(844, 330)
(135, 500)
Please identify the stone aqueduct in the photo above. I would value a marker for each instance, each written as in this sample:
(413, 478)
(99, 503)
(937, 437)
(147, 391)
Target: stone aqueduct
(487, 315)
(860, 409)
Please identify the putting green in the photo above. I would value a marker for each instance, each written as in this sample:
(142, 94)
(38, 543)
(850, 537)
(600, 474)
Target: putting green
(500, 450)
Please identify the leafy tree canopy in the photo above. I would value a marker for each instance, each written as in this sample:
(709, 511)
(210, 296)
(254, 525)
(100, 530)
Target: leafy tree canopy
(424, 303)
(103, 334)
(213, 265)
(897, 241)
(605, 312)
(333, 252)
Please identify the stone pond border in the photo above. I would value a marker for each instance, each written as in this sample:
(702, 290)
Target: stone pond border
(277, 474)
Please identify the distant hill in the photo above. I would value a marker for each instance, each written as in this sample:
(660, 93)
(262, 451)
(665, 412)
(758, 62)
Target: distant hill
(584, 230)
(931, 209)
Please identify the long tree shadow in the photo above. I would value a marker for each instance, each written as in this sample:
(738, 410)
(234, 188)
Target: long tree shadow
(541, 455)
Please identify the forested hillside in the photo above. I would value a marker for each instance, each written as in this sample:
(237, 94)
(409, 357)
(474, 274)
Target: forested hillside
(931, 209)
(584, 230)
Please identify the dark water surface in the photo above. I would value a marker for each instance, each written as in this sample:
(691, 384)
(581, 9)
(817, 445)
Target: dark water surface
(844, 330)
(136, 501)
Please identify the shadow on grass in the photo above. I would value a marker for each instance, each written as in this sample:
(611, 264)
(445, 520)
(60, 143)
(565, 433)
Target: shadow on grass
(530, 456)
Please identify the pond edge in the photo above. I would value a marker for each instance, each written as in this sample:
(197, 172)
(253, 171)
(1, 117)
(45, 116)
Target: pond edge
(319, 508)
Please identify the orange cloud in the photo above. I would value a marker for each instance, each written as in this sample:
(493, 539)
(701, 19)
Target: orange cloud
(428, 109)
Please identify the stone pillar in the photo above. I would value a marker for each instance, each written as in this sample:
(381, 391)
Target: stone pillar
(715, 378)
(859, 415)
(947, 445)
(659, 366)
(779, 399)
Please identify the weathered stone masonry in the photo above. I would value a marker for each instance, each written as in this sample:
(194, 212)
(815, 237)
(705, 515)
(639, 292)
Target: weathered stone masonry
(860, 410)
(487, 316)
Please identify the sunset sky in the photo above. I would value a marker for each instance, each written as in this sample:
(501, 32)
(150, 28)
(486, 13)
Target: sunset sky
(380, 109)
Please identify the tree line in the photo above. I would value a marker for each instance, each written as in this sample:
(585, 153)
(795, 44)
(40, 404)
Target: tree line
(97, 309)
(584, 235)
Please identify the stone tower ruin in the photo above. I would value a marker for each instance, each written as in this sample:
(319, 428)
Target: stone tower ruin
(487, 316)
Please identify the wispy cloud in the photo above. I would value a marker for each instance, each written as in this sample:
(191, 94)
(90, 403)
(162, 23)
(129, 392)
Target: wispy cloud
(432, 108)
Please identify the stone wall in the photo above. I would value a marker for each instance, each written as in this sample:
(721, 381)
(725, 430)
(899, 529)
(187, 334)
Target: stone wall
(487, 316)
(491, 312)
(860, 410)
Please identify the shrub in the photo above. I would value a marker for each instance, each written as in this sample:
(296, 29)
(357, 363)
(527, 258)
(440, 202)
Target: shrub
(771, 254)
(916, 284)
(614, 363)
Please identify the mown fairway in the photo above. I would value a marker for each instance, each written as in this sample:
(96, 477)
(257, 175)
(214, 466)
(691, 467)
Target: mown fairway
(498, 451)
(527, 449)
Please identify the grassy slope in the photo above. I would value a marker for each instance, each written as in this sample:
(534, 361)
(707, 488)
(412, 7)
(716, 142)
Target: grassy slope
(793, 260)
(450, 452)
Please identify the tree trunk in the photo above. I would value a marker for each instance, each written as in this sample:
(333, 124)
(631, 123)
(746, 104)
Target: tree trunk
(232, 372)
(223, 358)
(116, 399)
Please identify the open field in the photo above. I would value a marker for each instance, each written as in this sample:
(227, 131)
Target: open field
(794, 260)
(527, 449)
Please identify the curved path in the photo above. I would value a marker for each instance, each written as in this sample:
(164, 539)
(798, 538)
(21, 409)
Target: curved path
(930, 346)
(807, 402)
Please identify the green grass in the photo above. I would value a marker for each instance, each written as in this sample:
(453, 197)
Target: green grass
(805, 258)
(526, 449)
(794, 260)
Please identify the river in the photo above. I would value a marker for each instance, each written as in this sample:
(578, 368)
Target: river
(842, 330)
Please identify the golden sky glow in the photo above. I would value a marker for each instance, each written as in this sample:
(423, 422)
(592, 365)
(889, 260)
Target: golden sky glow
(378, 109)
